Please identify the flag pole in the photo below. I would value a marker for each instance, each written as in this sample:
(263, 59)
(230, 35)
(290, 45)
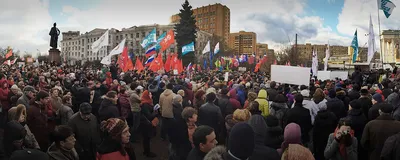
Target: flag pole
(380, 39)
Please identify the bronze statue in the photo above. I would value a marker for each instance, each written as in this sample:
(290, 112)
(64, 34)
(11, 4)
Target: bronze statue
(54, 33)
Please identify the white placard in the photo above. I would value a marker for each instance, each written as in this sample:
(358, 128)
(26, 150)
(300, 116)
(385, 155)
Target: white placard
(290, 75)
(176, 72)
(339, 74)
(324, 75)
(226, 77)
(242, 69)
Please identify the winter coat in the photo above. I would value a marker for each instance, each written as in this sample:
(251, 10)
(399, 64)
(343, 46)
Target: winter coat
(332, 149)
(64, 113)
(353, 95)
(4, 91)
(234, 100)
(189, 95)
(108, 110)
(386, 92)
(375, 134)
(224, 105)
(394, 100)
(38, 122)
(261, 151)
(87, 135)
(358, 122)
(111, 150)
(210, 114)
(196, 154)
(279, 111)
(242, 96)
(24, 100)
(366, 104)
(322, 105)
(56, 153)
(336, 106)
(166, 103)
(147, 115)
(391, 148)
(310, 105)
(178, 134)
(301, 116)
(56, 103)
(124, 105)
(134, 101)
(274, 137)
(346, 100)
(155, 92)
(324, 124)
(272, 94)
(262, 100)
(13, 115)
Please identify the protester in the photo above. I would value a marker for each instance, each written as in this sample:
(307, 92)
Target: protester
(64, 113)
(342, 144)
(261, 151)
(274, 134)
(262, 100)
(204, 140)
(108, 108)
(210, 114)
(18, 114)
(189, 114)
(63, 144)
(301, 116)
(148, 122)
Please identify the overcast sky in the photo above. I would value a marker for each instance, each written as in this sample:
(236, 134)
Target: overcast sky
(25, 24)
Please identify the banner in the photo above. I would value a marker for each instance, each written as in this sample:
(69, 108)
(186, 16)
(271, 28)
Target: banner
(188, 48)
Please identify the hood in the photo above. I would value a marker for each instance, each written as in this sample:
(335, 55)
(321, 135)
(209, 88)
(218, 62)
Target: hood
(262, 94)
(108, 146)
(2, 82)
(259, 126)
(56, 153)
(153, 88)
(168, 92)
(216, 153)
(15, 112)
(233, 94)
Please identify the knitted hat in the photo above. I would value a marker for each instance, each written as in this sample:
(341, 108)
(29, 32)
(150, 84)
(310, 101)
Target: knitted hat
(355, 104)
(292, 134)
(113, 127)
(241, 141)
(377, 97)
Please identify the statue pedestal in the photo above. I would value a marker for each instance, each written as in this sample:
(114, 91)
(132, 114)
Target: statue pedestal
(54, 56)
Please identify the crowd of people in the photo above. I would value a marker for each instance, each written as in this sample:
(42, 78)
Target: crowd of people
(72, 113)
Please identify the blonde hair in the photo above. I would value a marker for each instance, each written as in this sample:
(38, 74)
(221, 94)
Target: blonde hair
(241, 115)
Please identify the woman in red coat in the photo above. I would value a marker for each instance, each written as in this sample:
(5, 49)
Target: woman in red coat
(116, 145)
(4, 91)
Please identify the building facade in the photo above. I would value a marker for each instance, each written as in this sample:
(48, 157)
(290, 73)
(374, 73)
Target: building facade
(390, 40)
(243, 42)
(261, 49)
(77, 47)
(214, 19)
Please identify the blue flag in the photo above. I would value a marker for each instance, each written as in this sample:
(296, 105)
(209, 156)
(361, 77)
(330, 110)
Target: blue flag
(354, 45)
(160, 38)
(386, 6)
(151, 38)
(188, 48)
(204, 63)
(211, 59)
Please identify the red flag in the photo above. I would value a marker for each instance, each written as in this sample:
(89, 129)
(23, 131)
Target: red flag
(251, 60)
(257, 67)
(122, 60)
(167, 66)
(167, 41)
(9, 54)
(157, 64)
(180, 69)
(139, 65)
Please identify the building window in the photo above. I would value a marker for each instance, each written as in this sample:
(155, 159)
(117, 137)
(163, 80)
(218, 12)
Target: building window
(205, 20)
(116, 37)
(126, 35)
(131, 35)
(143, 34)
(137, 35)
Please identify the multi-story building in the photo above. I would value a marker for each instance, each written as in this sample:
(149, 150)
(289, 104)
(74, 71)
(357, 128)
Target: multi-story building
(243, 42)
(77, 47)
(214, 19)
(390, 40)
(261, 49)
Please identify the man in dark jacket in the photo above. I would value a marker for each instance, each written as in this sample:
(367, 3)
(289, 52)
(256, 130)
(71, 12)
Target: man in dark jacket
(272, 92)
(355, 92)
(210, 114)
(28, 96)
(301, 116)
(391, 148)
(335, 105)
(377, 101)
(365, 101)
(108, 108)
(204, 140)
(377, 131)
(87, 134)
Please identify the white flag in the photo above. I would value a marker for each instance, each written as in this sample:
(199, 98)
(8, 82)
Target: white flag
(216, 49)
(314, 63)
(371, 41)
(118, 49)
(106, 60)
(102, 41)
(327, 55)
(207, 48)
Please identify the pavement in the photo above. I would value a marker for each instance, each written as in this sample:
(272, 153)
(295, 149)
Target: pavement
(157, 145)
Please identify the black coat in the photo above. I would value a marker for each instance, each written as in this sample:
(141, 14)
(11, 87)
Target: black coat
(196, 154)
(373, 112)
(147, 115)
(386, 92)
(324, 124)
(274, 137)
(336, 106)
(210, 115)
(358, 122)
(353, 95)
(301, 116)
(224, 105)
(366, 104)
(178, 134)
(391, 148)
(108, 110)
(272, 93)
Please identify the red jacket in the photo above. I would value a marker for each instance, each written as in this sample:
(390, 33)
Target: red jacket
(4, 91)
(112, 156)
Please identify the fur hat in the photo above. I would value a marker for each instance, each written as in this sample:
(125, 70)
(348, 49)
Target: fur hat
(113, 127)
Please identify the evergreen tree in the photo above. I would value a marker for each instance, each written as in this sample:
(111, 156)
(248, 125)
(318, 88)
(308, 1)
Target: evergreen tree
(185, 32)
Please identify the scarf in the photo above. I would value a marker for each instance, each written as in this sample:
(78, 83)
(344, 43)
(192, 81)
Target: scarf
(145, 99)
(342, 143)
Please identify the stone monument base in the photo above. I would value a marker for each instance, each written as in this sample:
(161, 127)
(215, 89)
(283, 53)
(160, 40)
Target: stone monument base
(54, 56)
